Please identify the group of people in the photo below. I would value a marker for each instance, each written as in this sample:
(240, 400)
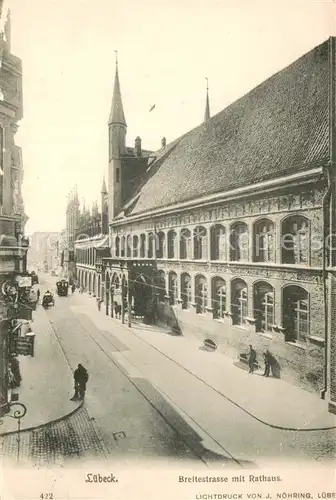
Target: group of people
(271, 364)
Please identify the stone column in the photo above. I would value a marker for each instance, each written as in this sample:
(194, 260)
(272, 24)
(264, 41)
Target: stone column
(209, 309)
(278, 241)
(250, 307)
(193, 304)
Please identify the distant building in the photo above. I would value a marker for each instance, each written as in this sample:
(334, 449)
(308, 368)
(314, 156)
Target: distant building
(92, 244)
(72, 221)
(43, 252)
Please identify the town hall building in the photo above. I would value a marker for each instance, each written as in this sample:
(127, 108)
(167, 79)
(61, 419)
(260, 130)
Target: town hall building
(226, 232)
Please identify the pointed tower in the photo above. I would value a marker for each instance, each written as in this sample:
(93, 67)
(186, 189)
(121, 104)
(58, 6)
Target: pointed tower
(104, 208)
(207, 105)
(117, 147)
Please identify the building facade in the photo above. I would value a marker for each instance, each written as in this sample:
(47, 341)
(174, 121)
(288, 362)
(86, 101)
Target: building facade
(43, 253)
(92, 245)
(13, 244)
(68, 240)
(227, 232)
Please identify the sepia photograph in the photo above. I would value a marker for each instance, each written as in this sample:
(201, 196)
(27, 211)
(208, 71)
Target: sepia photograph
(167, 249)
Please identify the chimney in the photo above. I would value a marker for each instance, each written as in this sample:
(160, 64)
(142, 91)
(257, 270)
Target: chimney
(163, 142)
(137, 147)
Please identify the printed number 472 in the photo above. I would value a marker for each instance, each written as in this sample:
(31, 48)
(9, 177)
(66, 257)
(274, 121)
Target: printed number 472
(47, 496)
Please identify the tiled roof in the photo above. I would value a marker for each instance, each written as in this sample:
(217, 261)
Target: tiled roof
(279, 127)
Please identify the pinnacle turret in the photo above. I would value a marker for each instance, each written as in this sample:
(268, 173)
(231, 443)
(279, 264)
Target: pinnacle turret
(103, 189)
(207, 105)
(117, 111)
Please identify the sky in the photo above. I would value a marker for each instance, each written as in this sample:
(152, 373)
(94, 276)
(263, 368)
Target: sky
(165, 52)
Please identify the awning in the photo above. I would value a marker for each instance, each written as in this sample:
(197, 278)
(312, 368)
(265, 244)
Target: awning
(104, 243)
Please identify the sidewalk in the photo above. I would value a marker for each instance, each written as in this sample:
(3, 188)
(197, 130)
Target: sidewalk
(47, 380)
(273, 402)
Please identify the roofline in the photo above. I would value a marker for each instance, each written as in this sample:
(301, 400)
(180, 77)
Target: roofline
(218, 197)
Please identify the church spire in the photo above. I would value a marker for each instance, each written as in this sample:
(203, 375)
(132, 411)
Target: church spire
(207, 105)
(103, 189)
(117, 111)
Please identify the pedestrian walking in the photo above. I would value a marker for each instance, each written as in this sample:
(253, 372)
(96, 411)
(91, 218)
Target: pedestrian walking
(117, 310)
(15, 369)
(73, 288)
(81, 377)
(38, 294)
(267, 363)
(252, 356)
(274, 365)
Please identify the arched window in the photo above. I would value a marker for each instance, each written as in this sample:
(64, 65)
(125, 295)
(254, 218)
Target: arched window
(218, 243)
(296, 313)
(218, 297)
(200, 243)
(201, 292)
(161, 285)
(264, 307)
(142, 246)
(172, 245)
(173, 288)
(264, 241)
(185, 244)
(239, 242)
(160, 246)
(129, 246)
(135, 245)
(116, 282)
(239, 302)
(122, 246)
(295, 240)
(151, 245)
(186, 294)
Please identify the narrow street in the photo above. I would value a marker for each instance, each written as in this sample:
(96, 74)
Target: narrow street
(141, 405)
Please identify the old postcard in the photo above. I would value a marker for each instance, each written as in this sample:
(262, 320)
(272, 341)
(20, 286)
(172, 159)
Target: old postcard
(167, 250)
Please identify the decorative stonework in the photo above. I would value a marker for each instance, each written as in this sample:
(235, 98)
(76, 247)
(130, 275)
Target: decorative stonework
(226, 211)
(308, 276)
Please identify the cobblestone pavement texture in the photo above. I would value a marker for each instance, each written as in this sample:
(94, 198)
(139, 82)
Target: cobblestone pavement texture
(70, 439)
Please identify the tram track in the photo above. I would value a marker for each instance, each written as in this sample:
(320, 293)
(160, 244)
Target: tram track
(227, 456)
(234, 459)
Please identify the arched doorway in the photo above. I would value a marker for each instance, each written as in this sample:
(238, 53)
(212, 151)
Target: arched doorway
(142, 295)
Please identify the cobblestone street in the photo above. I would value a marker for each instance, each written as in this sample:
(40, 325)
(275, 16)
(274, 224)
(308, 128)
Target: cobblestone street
(54, 444)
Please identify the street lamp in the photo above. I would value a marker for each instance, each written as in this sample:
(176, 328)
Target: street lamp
(17, 414)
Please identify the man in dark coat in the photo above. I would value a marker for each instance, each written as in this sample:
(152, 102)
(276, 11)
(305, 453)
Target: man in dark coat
(267, 363)
(252, 356)
(81, 377)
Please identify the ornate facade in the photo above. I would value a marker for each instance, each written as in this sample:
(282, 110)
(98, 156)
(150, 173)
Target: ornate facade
(227, 231)
(13, 244)
(91, 245)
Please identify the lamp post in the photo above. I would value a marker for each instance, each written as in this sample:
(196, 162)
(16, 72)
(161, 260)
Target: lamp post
(17, 415)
